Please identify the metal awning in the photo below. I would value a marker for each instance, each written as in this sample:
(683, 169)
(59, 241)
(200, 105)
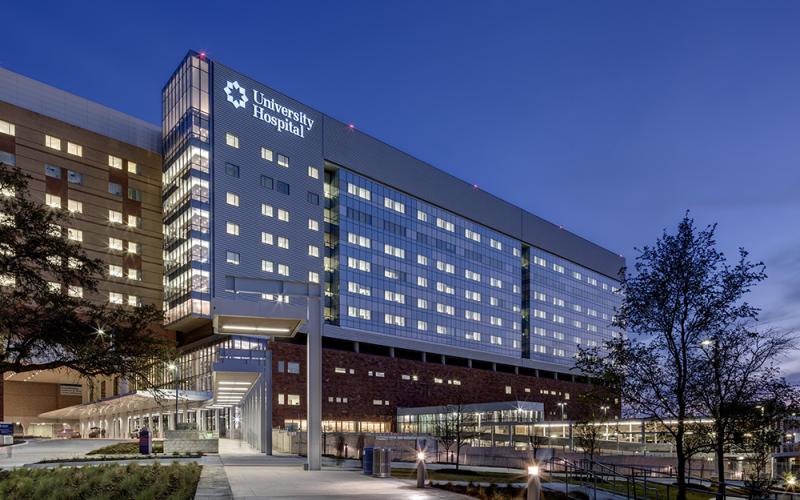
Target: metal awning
(161, 399)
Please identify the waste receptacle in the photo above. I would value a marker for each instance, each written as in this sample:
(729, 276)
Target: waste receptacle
(381, 462)
(367, 460)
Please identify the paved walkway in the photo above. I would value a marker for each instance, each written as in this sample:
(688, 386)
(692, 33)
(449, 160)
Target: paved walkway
(281, 477)
(35, 450)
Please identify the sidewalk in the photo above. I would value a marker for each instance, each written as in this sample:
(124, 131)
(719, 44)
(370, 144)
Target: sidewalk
(281, 477)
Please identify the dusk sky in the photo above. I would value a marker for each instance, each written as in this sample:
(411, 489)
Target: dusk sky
(611, 118)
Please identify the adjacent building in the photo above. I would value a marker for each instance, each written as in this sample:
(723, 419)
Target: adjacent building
(276, 217)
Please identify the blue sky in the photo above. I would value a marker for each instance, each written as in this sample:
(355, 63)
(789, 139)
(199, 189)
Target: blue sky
(611, 118)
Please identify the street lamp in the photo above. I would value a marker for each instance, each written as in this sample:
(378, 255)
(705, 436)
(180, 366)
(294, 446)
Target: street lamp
(605, 411)
(174, 367)
(562, 405)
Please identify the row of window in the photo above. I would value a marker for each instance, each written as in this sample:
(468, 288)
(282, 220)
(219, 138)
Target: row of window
(267, 154)
(73, 177)
(539, 261)
(77, 150)
(76, 207)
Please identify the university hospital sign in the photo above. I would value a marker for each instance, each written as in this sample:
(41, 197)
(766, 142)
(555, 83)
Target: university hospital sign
(268, 110)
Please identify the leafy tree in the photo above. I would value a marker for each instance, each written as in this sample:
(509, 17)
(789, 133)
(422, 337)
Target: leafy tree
(42, 326)
(682, 291)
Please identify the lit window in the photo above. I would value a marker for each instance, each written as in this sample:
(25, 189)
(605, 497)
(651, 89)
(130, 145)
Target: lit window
(283, 215)
(445, 309)
(539, 314)
(232, 258)
(133, 247)
(74, 149)
(422, 216)
(394, 251)
(283, 269)
(75, 206)
(539, 296)
(52, 142)
(74, 234)
(115, 298)
(267, 238)
(267, 210)
(472, 275)
(354, 287)
(359, 191)
(508, 389)
(394, 205)
(313, 251)
(233, 199)
(422, 304)
(472, 235)
(293, 399)
(444, 266)
(495, 283)
(313, 277)
(267, 266)
(472, 315)
(495, 321)
(558, 302)
(133, 167)
(576, 275)
(74, 291)
(7, 128)
(558, 319)
(515, 251)
(422, 281)
(283, 242)
(313, 225)
(133, 301)
(445, 288)
(356, 312)
(266, 154)
(115, 271)
(134, 274)
(134, 221)
(114, 162)
(359, 264)
(232, 228)
(422, 260)
(443, 224)
(557, 268)
(115, 216)
(539, 261)
(283, 161)
(359, 240)
(471, 295)
(391, 296)
(437, 380)
(422, 326)
(52, 200)
(313, 172)
(393, 319)
(497, 245)
(231, 140)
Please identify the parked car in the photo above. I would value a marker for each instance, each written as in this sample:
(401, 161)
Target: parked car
(95, 432)
(68, 433)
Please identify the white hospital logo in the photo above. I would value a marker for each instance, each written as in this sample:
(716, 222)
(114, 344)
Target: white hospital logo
(236, 94)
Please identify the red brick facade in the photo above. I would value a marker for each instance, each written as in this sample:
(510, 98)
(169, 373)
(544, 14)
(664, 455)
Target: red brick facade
(363, 390)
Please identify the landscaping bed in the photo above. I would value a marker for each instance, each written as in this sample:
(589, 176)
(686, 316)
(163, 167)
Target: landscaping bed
(463, 475)
(142, 482)
(131, 448)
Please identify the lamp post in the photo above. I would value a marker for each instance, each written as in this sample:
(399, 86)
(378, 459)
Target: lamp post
(421, 469)
(534, 486)
(604, 409)
(562, 405)
(174, 367)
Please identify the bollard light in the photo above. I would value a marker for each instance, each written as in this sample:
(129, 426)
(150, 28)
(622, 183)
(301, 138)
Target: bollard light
(533, 470)
(421, 473)
(421, 456)
(534, 486)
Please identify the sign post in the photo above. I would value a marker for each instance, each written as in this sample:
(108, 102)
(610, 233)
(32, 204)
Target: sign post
(6, 433)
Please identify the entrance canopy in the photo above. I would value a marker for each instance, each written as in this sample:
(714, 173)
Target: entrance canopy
(138, 401)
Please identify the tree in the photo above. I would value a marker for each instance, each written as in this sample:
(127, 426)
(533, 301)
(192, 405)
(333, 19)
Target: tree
(587, 436)
(763, 438)
(47, 319)
(682, 291)
(454, 428)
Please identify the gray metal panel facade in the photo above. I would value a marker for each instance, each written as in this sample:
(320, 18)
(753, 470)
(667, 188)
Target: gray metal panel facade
(377, 160)
(38, 97)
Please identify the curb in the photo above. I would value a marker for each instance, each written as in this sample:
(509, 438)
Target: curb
(213, 484)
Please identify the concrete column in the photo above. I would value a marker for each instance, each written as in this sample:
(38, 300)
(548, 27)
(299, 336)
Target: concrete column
(469, 363)
(516, 370)
(424, 357)
(444, 360)
(314, 382)
(266, 404)
(356, 347)
(391, 352)
(494, 367)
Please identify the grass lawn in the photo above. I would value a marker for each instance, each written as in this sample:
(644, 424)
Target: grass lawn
(125, 449)
(142, 482)
(463, 475)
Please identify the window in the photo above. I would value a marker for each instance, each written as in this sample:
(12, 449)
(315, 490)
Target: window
(354, 287)
(293, 367)
(313, 198)
(134, 221)
(134, 194)
(495, 283)
(515, 251)
(133, 167)
(52, 200)
(133, 301)
(266, 154)
(283, 269)
(472, 235)
(74, 206)
(422, 216)
(539, 331)
(476, 336)
(444, 266)
(576, 275)
(356, 312)
(422, 304)
(52, 142)
(313, 251)
(359, 264)
(422, 260)
(472, 275)
(282, 187)
(539, 296)
(422, 281)
(52, 171)
(437, 380)
(74, 149)
(422, 326)
(508, 389)
(115, 271)
(359, 191)
(114, 162)
(313, 277)
(232, 170)
(115, 298)
(267, 266)
(558, 302)
(293, 399)
(283, 215)
(443, 224)
(557, 268)
(74, 234)
(313, 225)
(133, 247)
(391, 296)
(7, 128)
(232, 258)
(445, 309)
(393, 319)
(558, 319)
(497, 245)
(313, 172)
(558, 335)
(358, 240)
(75, 291)
(283, 242)
(266, 182)
(115, 189)
(134, 274)
(495, 321)
(471, 295)
(231, 140)
(233, 199)
(539, 314)
(74, 177)
(445, 288)
(472, 315)
(232, 228)
(281, 398)
(539, 261)
(115, 216)
(394, 251)
(394, 205)
(283, 161)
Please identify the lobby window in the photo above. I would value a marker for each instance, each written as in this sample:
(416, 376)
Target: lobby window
(232, 199)
(313, 172)
(267, 210)
(52, 171)
(267, 266)
(52, 142)
(115, 271)
(231, 140)
(75, 206)
(115, 189)
(7, 128)
(75, 178)
(283, 269)
(283, 160)
(114, 162)
(133, 168)
(283, 215)
(74, 149)
(74, 234)
(313, 251)
(313, 198)
(232, 258)
(282, 187)
(232, 228)
(134, 221)
(313, 225)
(115, 297)
(115, 216)
(52, 200)
(313, 277)
(231, 170)
(266, 154)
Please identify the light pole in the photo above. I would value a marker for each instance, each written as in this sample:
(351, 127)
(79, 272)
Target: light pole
(605, 411)
(562, 405)
(174, 367)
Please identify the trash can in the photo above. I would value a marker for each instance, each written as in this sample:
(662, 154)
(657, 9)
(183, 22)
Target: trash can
(382, 462)
(367, 460)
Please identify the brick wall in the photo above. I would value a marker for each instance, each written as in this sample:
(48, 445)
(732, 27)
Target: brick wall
(361, 389)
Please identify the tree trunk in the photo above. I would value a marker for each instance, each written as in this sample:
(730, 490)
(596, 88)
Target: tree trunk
(719, 451)
(458, 455)
(681, 457)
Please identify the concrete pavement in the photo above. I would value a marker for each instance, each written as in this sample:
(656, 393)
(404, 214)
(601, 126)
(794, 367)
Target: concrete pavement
(35, 450)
